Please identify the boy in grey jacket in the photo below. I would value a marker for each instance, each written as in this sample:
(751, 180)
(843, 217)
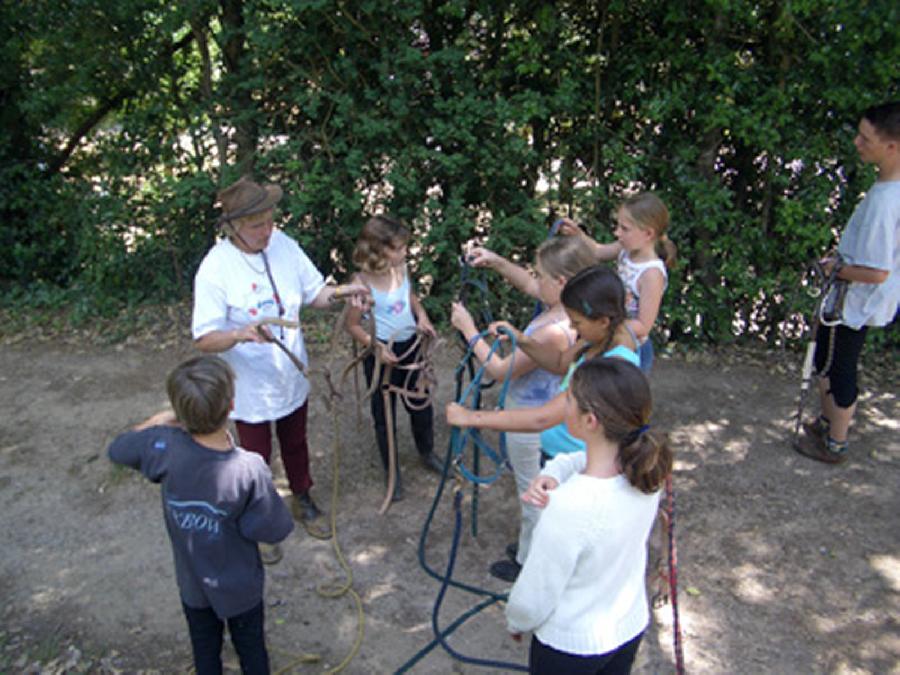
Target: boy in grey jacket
(218, 502)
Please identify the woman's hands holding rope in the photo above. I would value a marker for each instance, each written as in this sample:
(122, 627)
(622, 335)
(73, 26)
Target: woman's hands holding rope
(358, 295)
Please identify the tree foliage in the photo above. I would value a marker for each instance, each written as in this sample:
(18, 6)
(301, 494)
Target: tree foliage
(121, 119)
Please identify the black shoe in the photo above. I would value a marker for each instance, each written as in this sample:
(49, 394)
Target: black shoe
(399, 493)
(512, 551)
(305, 508)
(432, 463)
(507, 570)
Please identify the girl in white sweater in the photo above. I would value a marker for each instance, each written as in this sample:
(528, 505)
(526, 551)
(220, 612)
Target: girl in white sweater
(581, 590)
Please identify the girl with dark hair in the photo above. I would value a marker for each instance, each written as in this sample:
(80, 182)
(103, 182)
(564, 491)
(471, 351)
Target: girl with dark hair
(581, 590)
(594, 300)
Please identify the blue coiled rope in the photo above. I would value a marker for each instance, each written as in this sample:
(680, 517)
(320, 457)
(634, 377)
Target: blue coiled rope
(453, 455)
(459, 438)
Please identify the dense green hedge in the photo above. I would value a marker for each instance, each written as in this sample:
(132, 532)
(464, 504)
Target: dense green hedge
(121, 118)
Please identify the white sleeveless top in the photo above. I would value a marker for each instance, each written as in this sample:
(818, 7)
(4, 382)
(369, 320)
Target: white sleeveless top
(393, 313)
(630, 272)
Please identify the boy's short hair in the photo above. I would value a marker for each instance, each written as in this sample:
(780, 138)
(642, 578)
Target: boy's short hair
(201, 390)
(886, 119)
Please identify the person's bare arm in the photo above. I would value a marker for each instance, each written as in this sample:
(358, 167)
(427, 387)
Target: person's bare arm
(422, 320)
(651, 286)
(519, 419)
(545, 355)
(218, 341)
(610, 251)
(358, 295)
(515, 274)
(496, 366)
(353, 325)
(862, 274)
(162, 418)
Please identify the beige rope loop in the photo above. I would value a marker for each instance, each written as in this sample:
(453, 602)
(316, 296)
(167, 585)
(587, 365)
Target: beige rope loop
(423, 393)
(278, 321)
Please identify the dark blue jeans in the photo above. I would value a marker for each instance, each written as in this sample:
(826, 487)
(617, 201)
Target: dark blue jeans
(544, 660)
(645, 352)
(247, 636)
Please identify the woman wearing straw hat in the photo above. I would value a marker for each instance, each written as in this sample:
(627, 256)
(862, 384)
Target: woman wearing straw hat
(253, 275)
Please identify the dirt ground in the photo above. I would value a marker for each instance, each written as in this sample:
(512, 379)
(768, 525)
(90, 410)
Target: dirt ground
(785, 565)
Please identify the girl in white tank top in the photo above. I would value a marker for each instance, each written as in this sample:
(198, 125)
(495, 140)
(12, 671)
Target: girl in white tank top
(380, 256)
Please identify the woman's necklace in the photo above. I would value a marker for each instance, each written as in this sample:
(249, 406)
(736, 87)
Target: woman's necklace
(246, 259)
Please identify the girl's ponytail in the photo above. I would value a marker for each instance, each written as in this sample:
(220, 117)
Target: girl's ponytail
(646, 460)
(666, 249)
(618, 395)
(650, 213)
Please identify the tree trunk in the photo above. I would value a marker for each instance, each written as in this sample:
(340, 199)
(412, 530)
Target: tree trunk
(234, 52)
(200, 26)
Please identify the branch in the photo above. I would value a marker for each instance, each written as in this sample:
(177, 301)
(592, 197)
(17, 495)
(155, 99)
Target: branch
(101, 111)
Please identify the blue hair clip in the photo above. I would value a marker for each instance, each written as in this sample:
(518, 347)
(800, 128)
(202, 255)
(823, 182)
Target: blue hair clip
(635, 435)
(586, 306)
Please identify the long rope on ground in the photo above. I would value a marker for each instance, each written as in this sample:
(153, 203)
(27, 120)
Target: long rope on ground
(441, 636)
(453, 457)
(334, 589)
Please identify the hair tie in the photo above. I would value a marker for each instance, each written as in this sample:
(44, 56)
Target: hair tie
(636, 434)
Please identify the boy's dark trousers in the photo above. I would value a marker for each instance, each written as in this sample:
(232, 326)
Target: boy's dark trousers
(247, 636)
(422, 421)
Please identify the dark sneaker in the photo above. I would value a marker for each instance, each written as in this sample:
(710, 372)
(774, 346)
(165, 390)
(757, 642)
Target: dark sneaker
(817, 429)
(512, 551)
(432, 463)
(828, 451)
(399, 493)
(305, 508)
(506, 570)
(270, 553)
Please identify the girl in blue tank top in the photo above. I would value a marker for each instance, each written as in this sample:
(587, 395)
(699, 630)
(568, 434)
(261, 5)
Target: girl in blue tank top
(594, 300)
(380, 256)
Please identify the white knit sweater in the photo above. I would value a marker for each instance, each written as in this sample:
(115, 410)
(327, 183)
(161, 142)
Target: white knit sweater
(582, 588)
